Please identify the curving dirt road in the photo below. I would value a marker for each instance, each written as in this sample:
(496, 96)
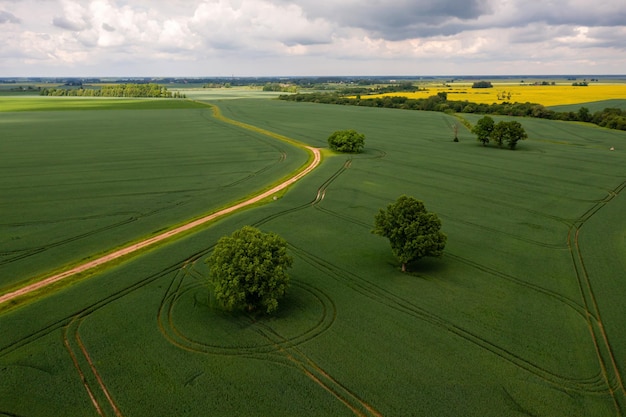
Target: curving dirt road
(161, 237)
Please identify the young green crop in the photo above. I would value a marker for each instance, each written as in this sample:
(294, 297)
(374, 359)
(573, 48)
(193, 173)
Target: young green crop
(29, 104)
(77, 183)
(502, 324)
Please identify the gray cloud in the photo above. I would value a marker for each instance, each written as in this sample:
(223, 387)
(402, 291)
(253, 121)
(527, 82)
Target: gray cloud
(607, 37)
(108, 27)
(573, 12)
(6, 17)
(397, 19)
(539, 32)
(65, 23)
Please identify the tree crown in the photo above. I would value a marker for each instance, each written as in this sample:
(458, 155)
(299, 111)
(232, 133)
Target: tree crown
(510, 132)
(248, 270)
(412, 231)
(346, 141)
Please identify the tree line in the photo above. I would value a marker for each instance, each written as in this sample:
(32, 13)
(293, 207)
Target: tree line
(612, 118)
(150, 90)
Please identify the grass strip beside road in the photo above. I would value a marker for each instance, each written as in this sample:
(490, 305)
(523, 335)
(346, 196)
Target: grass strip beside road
(136, 247)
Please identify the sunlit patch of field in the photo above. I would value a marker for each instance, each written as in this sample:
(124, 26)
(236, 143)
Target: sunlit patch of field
(548, 95)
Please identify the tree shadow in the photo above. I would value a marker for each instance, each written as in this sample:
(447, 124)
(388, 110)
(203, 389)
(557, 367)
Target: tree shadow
(424, 266)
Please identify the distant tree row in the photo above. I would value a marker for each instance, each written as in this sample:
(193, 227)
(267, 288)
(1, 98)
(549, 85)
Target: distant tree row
(612, 118)
(358, 89)
(115, 90)
(482, 84)
(280, 87)
(217, 85)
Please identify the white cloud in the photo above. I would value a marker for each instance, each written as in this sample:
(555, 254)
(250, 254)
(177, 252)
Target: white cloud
(256, 26)
(264, 37)
(74, 17)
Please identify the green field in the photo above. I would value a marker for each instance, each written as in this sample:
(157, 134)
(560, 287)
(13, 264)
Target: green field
(77, 183)
(31, 104)
(522, 316)
(593, 107)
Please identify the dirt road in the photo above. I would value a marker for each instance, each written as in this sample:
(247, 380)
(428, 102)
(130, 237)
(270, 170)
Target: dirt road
(161, 237)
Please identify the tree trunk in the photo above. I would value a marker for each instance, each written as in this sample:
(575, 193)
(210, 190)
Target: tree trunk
(403, 267)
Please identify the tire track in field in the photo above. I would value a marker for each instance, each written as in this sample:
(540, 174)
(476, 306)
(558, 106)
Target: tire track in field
(320, 195)
(152, 241)
(101, 399)
(25, 253)
(606, 358)
(570, 133)
(96, 374)
(322, 192)
(68, 219)
(312, 370)
(177, 289)
(493, 230)
(578, 309)
(276, 348)
(64, 322)
(90, 377)
(283, 157)
(76, 348)
(439, 187)
(89, 309)
(594, 384)
(87, 383)
(444, 164)
(272, 144)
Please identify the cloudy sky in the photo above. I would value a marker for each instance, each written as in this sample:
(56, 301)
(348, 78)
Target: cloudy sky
(311, 37)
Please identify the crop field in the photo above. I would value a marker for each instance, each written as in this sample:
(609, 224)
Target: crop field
(523, 315)
(228, 93)
(31, 104)
(77, 183)
(593, 107)
(547, 95)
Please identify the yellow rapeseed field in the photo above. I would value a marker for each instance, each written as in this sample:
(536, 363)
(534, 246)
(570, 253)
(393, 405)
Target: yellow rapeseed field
(548, 95)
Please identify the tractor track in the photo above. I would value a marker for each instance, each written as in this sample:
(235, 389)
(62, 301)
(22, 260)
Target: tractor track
(276, 348)
(591, 385)
(606, 358)
(177, 289)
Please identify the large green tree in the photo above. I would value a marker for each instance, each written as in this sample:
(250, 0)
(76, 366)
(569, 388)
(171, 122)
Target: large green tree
(346, 141)
(483, 128)
(509, 132)
(413, 232)
(502, 132)
(248, 270)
